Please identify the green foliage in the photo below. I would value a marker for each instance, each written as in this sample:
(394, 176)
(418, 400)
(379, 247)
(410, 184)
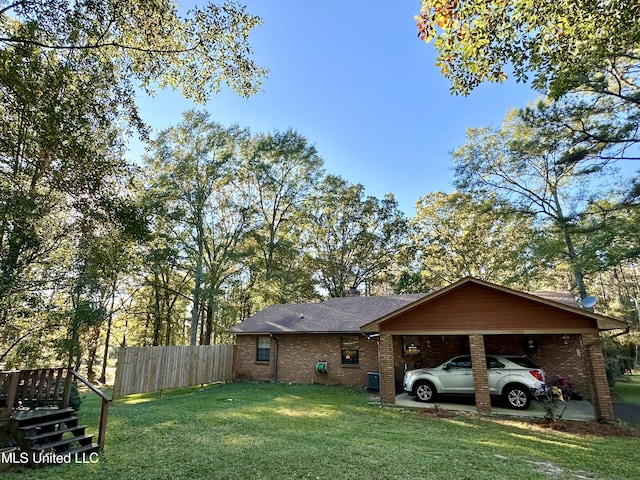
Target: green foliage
(353, 239)
(195, 165)
(563, 45)
(283, 169)
(75, 400)
(628, 391)
(149, 42)
(68, 72)
(620, 360)
(456, 236)
(525, 164)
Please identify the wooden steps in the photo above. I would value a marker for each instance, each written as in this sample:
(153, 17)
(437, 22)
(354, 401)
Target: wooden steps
(51, 436)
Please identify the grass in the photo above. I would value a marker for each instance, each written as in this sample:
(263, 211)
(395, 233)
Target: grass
(628, 391)
(267, 431)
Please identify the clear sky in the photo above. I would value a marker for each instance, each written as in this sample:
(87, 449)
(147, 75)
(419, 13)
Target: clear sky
(355, 80)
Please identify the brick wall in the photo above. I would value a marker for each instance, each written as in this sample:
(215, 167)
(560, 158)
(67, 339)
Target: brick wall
(434, 350)
(565, 361)
(387, 378)
(298, 356)
(245, 365)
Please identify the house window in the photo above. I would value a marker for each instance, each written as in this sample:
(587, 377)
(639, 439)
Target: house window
(350, 350)
(263, 349)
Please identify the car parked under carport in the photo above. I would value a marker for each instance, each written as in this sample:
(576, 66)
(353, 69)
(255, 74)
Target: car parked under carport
(473, 317)
(514, 378)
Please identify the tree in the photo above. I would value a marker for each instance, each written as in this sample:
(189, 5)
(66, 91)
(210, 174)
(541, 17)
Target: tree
(196, 164)
(565, 45)
(67, 77)
(60, 164)
(147, 42)
(457, 236)
(586, 52)
(352, 238)
(540, 173)
(283, 169)
(161, 293)
(596, 125)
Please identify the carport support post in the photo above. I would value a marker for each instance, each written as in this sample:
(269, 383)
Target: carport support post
(480, 378)
(602, 402)
(387, 371)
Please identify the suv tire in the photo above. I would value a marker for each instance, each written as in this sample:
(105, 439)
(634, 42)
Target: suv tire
(425, 391)
(517, 396)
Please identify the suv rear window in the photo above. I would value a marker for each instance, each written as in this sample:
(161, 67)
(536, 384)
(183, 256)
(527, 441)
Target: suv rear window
(494, 363)
(522, 361)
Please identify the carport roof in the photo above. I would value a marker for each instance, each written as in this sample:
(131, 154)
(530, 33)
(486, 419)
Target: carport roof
(562, 300)
(356, 314)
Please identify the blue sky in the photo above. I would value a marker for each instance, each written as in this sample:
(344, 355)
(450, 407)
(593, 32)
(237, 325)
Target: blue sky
(355, 80)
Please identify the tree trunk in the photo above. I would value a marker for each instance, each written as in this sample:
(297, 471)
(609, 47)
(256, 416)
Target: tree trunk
(209, 323)
(157, 315)
(195, 311)
(563, 223)
(105, 355)
(573, 261)
(91, 355)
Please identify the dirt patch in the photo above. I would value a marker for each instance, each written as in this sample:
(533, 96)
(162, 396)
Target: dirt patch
(590, 428)
(437, 413)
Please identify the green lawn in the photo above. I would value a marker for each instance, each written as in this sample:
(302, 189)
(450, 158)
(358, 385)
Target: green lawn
(266, 431)
(629, 391)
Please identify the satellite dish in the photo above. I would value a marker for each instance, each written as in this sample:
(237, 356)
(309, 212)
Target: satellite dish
(589, 302)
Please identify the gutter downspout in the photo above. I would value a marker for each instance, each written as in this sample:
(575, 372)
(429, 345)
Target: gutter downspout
(275, 359)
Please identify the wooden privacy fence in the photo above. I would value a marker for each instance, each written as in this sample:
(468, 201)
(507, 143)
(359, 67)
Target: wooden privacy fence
(149, 369)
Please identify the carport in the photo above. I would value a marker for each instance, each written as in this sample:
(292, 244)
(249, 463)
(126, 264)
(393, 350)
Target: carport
(476, 317)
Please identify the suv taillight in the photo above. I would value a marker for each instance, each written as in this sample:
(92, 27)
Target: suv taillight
(537, 374)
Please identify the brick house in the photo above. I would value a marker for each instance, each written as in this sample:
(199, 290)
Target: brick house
(345, 340)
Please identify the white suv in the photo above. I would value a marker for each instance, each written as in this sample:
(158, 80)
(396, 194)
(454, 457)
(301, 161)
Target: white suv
(515, 378)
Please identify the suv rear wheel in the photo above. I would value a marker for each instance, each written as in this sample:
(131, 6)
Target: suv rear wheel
(425, 391)
(517, 397)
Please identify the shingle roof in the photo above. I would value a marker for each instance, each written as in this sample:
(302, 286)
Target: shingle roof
(335, 315)
(349, 314)
(561, 296)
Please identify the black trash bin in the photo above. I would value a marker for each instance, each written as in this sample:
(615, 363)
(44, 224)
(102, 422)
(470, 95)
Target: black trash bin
(373, 381)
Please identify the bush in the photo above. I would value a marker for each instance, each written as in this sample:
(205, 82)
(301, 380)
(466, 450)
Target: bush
(74, 398)
(616, 367)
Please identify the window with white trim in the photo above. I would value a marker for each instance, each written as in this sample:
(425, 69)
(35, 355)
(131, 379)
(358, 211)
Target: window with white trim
(263, 349)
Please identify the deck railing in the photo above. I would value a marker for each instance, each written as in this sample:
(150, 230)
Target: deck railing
(45, 387)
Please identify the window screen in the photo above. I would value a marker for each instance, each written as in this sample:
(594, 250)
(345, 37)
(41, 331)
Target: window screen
(263, 349)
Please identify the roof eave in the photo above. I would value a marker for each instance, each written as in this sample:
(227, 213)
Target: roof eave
(298, 332)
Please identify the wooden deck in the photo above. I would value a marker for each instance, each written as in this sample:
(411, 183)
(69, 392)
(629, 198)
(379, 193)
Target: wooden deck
(38, 393)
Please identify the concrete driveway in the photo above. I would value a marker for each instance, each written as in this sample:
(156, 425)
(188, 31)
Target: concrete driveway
(575, 410)
(627, 413)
